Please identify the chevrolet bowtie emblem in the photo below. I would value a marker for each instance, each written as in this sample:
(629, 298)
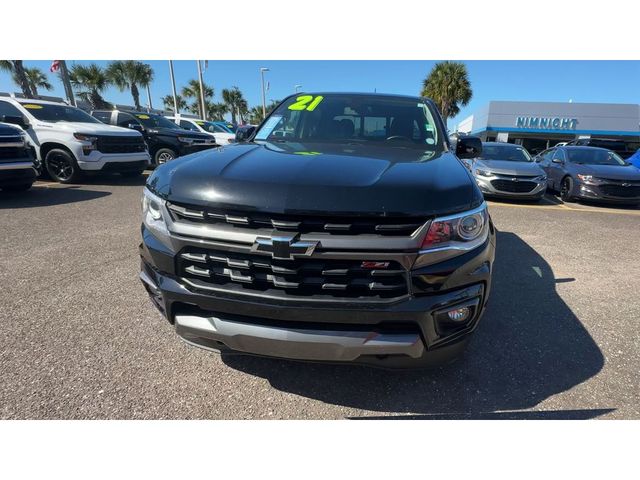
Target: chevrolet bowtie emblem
(284, 247)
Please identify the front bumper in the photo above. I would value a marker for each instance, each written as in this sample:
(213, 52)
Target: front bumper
(17, 173)
(400, 333)
(488, 189)
(98, 161)
(189, 148)
(595, 192)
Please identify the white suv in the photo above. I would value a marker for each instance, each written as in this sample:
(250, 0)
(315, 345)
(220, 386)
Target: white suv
(222, 136)
(69, 142)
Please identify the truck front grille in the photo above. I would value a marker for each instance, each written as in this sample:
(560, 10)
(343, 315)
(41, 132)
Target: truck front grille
(339, 225)
(513, 187)
(121, 144)
(12, 153)
(305, 277)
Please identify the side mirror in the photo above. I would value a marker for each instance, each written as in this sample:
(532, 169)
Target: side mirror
(15, 120)
(136, 126)
(244, 133)
(557, 160)
(468, 147)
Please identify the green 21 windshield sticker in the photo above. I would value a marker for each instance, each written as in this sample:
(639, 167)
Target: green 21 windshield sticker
(306, 102)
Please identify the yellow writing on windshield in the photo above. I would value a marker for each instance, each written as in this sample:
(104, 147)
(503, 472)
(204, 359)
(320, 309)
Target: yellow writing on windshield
(306, 102)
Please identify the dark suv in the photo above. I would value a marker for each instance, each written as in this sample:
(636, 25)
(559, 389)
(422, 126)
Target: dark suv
(17, 169)
(165, 139)
(343, 229)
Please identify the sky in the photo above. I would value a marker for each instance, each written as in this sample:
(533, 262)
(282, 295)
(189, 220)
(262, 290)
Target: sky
(526, 80)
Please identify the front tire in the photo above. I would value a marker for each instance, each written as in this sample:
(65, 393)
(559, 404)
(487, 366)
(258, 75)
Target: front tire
(62, 167)
(163, 155)
(566, 190)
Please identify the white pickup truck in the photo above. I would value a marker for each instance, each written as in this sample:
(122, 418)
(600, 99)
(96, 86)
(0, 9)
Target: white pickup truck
(69, 142)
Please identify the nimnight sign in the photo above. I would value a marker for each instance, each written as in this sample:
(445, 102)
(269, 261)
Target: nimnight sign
(554, 123)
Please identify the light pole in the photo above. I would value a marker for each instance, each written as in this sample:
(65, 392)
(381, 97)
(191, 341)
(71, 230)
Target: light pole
(173, 89)
(149, 98)
(296, 88)
(264, 102)
(202, 103)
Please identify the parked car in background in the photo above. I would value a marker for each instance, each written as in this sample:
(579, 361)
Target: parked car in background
(334, 243)
(617, 146)
(226, 125)
(221, 134)
(165, 139)
(69, 142)
(507, 170)
(17, 168)
(230, 127)
(590, 173)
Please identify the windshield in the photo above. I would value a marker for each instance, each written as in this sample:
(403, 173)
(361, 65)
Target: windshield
(151, 120)
(58, 113)
(507, 153)
(350, 118)
(592, 156)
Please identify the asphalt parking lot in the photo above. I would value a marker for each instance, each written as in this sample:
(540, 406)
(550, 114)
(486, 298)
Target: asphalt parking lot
(80, 340)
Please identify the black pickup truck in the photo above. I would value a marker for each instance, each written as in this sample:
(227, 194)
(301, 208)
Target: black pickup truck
(17, 169)
(165, 139)
(343, 229)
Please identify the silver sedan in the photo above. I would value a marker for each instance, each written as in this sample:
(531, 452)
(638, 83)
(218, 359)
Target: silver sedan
(507, 170)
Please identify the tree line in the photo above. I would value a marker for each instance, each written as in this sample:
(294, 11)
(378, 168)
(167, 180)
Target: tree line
(447, 84)
(90, 82)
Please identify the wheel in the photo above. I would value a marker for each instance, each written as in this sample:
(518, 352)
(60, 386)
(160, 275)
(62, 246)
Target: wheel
(566, 190)
(163, 155)
(62, 167)
(132, 174)
(17, 188)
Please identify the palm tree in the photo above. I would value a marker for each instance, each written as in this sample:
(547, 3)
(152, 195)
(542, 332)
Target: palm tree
(129, 74)
(255, 115)
(235, 102)
(449, 87)
(93, 81)
(216, 111)
(18, 74)
(167, 101)
(37, 78)
(192, 90)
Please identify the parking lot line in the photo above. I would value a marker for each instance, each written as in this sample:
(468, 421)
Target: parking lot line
(566, 207)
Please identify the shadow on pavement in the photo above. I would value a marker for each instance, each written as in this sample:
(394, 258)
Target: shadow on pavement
(113, 179)
(528, 347)
(46, 197)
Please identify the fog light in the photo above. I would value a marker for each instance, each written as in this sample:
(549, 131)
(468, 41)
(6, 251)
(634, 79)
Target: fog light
(459, 314)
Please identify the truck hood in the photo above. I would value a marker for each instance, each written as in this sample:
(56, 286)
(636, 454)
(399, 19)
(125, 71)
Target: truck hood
(319, 178)
(506, 167)
(89, 128)
(613, 172)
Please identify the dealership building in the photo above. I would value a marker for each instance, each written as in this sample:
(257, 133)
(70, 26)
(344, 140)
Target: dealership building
(540, 125)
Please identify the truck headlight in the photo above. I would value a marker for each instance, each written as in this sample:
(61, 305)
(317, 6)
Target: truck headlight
(89, 142)
(153, 215)
(456, 234)
(185, 139)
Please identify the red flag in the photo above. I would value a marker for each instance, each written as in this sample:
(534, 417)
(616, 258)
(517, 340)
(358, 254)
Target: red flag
(55, 66)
